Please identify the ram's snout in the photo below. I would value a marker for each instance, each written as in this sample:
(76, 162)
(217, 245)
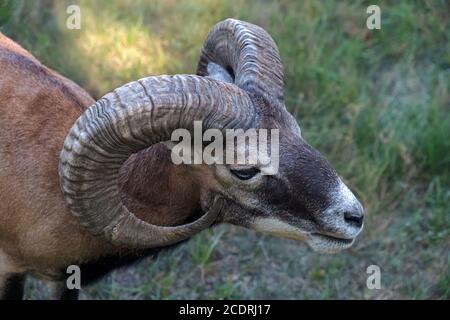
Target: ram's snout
(340, 223)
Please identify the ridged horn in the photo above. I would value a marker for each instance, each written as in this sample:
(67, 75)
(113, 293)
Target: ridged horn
(131, 118)
(248, 53)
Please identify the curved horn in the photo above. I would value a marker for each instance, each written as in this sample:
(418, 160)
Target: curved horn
(131, 118)
(249, 52)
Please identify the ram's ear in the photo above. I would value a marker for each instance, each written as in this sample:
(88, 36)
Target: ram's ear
(217, 72)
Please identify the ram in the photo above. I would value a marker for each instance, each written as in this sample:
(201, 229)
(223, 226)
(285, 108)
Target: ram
(92, 183)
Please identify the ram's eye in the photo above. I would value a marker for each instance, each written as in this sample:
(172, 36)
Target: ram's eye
(245, 174)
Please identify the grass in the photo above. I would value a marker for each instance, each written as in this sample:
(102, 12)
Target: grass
(377, 103)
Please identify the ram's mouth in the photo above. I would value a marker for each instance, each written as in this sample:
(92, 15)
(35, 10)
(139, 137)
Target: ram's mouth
(326, 243)
(334, 239)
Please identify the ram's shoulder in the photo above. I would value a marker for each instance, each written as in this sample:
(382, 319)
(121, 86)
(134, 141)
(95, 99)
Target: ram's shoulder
(23, 75)
(7, 44)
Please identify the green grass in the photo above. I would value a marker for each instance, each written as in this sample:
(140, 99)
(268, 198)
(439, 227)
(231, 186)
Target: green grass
(377, 103)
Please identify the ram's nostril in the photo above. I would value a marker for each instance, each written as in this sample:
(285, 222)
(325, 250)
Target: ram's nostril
(355, 218)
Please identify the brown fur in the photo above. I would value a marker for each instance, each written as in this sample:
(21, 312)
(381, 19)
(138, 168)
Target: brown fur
(37, 232)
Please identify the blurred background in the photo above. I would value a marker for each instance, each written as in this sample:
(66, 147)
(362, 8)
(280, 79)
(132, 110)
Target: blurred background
(375, 102)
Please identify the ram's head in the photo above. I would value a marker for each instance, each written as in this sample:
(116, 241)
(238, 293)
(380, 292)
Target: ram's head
(239, 85)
